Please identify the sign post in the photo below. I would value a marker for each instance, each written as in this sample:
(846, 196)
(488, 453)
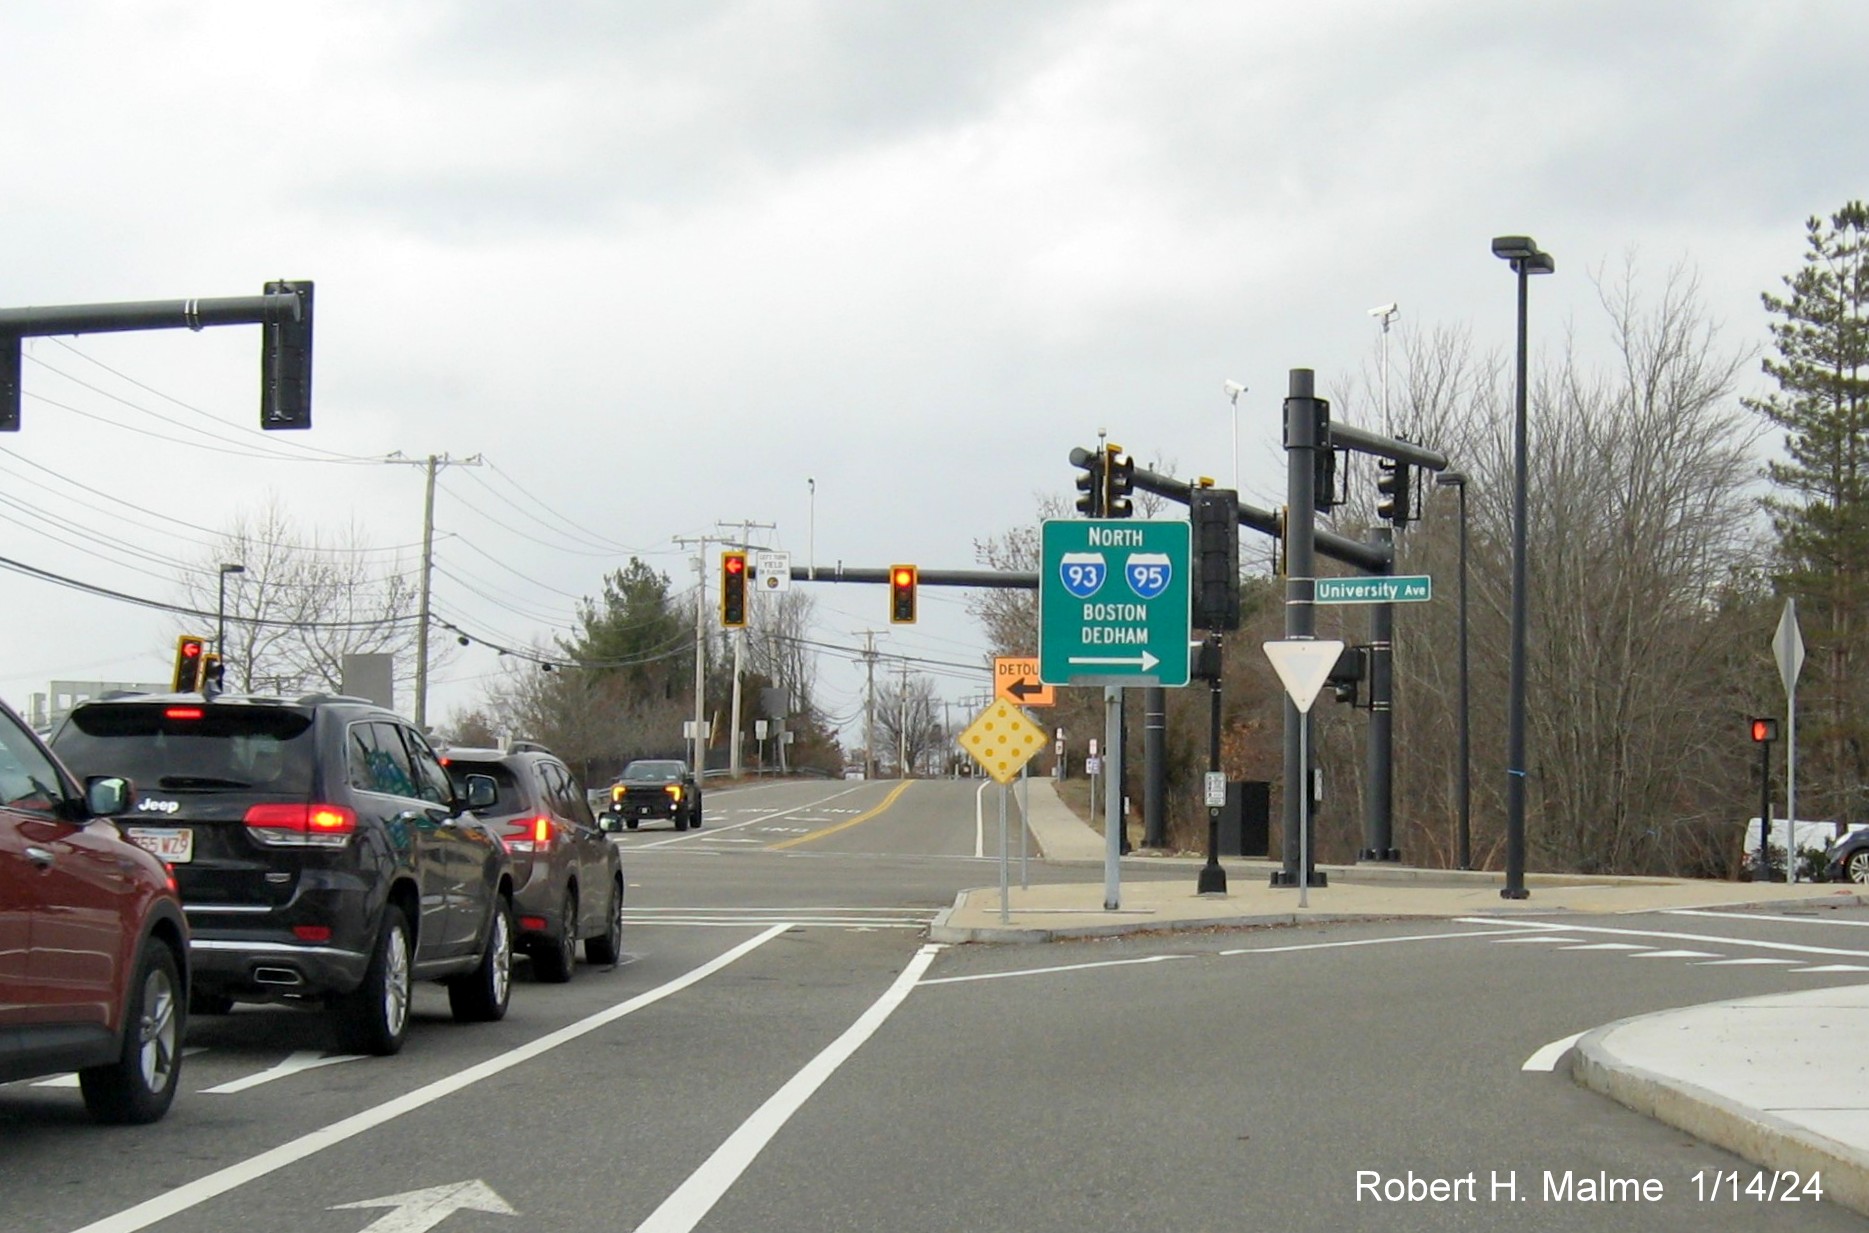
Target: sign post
(1002, 739)
(1788, 648)
(1304, 664)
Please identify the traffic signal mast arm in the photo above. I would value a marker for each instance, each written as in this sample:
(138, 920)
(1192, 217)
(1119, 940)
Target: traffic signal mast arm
(1337, 547)
(273, 307)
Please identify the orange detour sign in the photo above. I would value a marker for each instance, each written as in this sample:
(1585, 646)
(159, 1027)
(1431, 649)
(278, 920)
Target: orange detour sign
(1015, 678)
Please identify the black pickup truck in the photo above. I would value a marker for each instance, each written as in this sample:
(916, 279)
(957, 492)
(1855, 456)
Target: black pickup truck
(654, 788)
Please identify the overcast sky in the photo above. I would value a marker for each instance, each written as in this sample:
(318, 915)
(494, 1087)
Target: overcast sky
(661, 264)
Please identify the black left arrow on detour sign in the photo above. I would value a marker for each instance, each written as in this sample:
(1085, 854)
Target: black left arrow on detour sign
(1015, 678)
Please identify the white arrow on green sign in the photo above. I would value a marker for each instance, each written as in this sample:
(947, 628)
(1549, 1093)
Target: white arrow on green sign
(1401, 589)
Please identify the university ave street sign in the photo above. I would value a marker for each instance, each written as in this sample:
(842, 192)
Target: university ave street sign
(1400, 589)
(1113, 602)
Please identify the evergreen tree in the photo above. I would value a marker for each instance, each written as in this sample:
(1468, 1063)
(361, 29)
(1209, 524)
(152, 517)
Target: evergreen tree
(1820, 514)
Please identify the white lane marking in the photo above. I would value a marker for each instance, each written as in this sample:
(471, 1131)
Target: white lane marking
(690, 836)
(979, 820)
(1546, 940)
(194, 1193)
(695, 1197)
(1065, 967)
(1677, 954)
(1712, 939)
(71, 1079)
(1834, 967)
(1604, 946)
(1741, 963)
(300, 1060)
(1546, 1058)
(417, 1211)
(1786, 920)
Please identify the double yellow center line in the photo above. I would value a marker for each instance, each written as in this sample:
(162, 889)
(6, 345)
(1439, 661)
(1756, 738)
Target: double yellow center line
(844, 825)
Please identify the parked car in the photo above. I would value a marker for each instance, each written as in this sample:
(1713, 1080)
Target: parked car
(1847, 859)
(323, 855)
(567, 878)
(93, 942)
(654, 788)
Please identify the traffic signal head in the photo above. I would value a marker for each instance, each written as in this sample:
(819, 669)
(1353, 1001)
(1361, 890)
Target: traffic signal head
(733, 590)
(188, 652)
(1214, 513)
(1764, 730)
(1119, 480)
(286, 362)
(1392, 485)
(902, 580)
(1090, 486)
(211, 674)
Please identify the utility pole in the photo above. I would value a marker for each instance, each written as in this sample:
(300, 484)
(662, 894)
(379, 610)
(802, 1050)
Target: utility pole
(869, 703)
(699, 746)
(902, 723)
(739, 641)
(431, 464)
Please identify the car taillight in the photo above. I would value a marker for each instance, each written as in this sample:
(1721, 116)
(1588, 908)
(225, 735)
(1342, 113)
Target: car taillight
(674, 790)
(182, 712)
(312, 933)
(530, 834)
(301, 826)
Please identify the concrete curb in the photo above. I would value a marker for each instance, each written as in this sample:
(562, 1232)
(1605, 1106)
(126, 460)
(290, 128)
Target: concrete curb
(1758, 1136)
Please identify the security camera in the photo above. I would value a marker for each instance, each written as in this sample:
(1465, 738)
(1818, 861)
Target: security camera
(1234, 389)
(1383, 310)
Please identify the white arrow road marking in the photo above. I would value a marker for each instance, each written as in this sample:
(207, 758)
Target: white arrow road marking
(694, 1198)
(420, 1210)
(1145, 660)
(192, 1194)
(71, 1080)
(1546, 1058)
(1559, 933)
(303, 1059)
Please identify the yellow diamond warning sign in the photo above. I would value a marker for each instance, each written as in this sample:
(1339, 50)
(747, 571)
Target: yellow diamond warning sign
(1002, 739)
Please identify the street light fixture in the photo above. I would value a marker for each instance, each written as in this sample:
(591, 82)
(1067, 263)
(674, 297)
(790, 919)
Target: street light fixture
(1458, 479)
(1233, 391)
(1526, 259)
(220, 610)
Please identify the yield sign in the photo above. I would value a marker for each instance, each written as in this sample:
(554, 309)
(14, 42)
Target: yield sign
(1304, 665)
(1788, 645)
(1015, 678)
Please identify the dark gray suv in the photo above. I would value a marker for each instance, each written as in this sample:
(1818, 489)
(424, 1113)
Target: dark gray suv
(322, 853)
(568, 877)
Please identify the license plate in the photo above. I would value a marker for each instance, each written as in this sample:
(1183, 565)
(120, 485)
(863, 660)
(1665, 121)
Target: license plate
(174, 844)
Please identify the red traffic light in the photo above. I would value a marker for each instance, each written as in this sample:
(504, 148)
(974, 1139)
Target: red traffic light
(191, 650)
(902, 580)
(735, 563)
(733, 590)
(1764, 730)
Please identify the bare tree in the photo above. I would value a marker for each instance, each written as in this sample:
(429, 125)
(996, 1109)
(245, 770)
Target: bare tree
(304, 601)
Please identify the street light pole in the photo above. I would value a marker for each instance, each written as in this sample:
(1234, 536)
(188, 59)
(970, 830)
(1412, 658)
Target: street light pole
(1233, 390)
(1458, 480)
(1525, 258)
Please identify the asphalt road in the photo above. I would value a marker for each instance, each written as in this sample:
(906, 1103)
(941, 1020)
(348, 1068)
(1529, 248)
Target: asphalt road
(782, 1051)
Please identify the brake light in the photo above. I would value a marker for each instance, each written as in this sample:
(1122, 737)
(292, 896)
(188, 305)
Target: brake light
(530, 834)
(301, 826)
(312, 933)
(182, 712)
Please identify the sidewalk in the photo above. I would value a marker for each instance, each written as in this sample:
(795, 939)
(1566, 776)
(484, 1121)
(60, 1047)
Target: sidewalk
(1781, 1081)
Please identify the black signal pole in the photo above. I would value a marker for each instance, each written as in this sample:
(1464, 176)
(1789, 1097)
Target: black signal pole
(1765, 813)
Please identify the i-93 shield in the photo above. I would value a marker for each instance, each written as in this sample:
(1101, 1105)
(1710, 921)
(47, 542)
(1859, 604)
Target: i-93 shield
(1083, 573)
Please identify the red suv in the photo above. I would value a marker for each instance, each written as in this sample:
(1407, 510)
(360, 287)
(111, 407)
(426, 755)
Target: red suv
(93, 943)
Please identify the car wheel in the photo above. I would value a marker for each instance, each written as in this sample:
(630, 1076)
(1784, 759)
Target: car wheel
(140, 1085)
(375, 1018)
(679, 819)
(1856, 866)
(694, 817)
(483, 994)
(607, 947)
(554, 962)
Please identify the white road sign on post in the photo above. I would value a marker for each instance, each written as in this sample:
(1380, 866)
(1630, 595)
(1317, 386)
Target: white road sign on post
(1788, 649)
(1304, 665)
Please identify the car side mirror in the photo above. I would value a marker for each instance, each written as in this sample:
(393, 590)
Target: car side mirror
(482, 792)
(106, 796)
